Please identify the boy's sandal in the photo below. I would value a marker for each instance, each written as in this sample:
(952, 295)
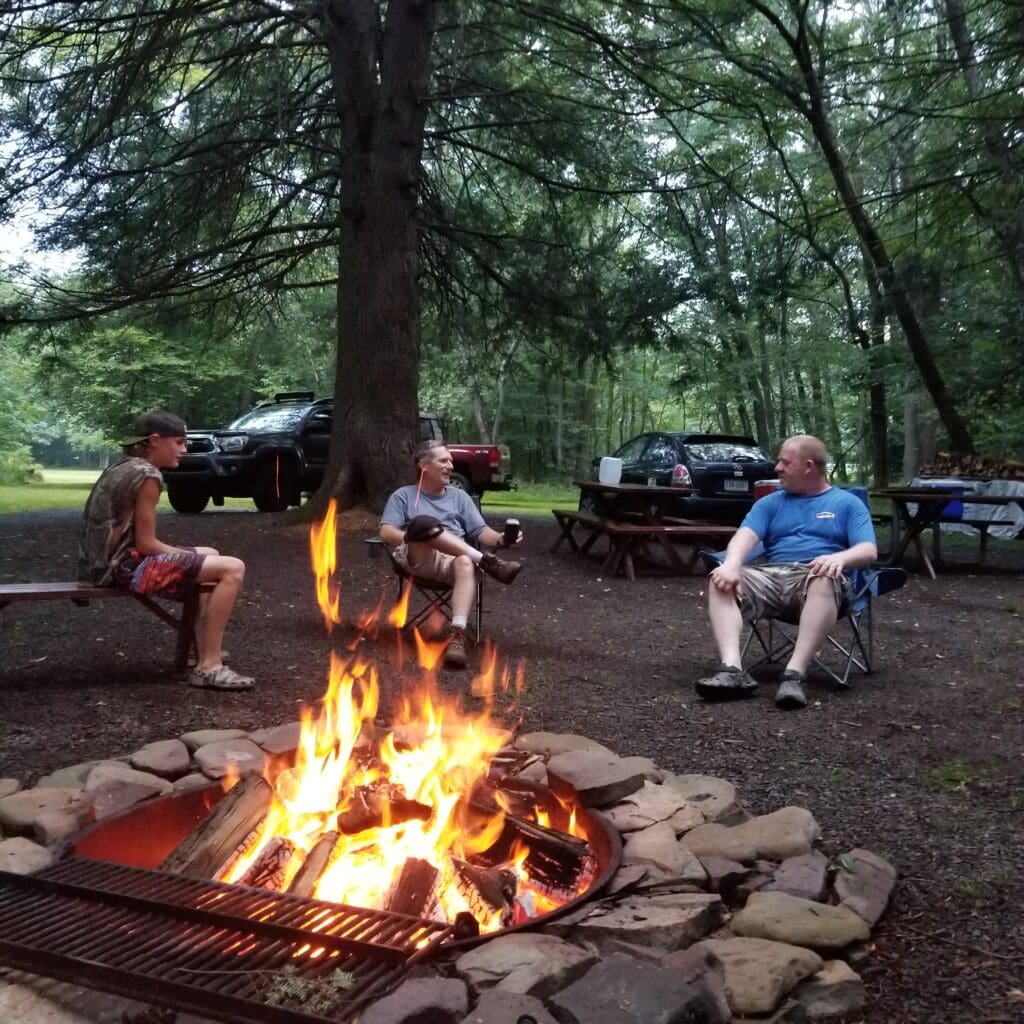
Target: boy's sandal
(222, 678)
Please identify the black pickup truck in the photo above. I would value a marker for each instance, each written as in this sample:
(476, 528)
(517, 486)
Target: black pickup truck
(277, 452)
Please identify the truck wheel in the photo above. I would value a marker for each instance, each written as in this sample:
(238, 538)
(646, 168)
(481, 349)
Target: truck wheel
(187, 502)
(461, 482)
(273, 488)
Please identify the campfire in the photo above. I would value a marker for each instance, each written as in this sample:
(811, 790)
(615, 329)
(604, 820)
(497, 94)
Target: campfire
(425, 818)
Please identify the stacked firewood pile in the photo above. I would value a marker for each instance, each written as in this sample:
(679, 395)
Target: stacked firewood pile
(981, 467)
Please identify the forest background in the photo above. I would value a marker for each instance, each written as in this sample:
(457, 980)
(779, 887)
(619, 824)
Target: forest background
(555, 225)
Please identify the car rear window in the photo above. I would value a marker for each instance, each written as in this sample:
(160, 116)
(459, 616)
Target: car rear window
(725, 451)
(272, 417)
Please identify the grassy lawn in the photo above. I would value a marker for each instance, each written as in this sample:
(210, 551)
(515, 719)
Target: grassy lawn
(68, 488)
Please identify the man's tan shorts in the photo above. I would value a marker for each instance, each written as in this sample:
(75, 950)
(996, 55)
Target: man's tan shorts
(431, 564)
(779, 591)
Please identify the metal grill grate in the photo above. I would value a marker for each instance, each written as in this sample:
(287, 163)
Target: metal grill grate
(207, 948)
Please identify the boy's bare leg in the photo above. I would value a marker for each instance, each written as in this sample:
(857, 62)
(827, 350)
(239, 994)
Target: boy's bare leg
(227, 574)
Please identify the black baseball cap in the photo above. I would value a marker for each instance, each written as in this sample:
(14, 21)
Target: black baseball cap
(159, 422)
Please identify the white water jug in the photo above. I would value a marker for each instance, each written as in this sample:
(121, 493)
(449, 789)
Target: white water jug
(610, 471)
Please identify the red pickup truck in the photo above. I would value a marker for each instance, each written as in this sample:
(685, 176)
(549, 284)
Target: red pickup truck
(277, 452)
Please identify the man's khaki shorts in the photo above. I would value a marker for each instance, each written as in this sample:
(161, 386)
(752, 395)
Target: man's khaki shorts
(779, 591)
(430, 564)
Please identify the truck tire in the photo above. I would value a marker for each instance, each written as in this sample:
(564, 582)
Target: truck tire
(461, 482)
(273, 488)
(186, 501)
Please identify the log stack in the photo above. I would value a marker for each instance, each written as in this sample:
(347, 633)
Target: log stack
(978, 467)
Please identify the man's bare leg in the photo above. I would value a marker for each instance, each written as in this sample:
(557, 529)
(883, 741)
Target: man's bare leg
(227, 574)
(726, 625)
(817, 620)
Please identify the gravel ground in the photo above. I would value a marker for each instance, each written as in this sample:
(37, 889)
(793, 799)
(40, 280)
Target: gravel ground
(923, 762)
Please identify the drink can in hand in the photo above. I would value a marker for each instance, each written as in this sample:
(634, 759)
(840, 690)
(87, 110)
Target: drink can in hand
(511, 534)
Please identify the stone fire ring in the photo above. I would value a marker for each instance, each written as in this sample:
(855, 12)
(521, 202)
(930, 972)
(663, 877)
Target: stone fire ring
(714, 914)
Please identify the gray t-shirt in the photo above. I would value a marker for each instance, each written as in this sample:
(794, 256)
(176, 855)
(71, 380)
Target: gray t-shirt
(109, 531)
(453, 508)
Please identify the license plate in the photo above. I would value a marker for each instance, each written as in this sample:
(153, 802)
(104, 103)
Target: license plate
(736, 485)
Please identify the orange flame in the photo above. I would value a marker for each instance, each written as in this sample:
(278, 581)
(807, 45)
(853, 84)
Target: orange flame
(323, 551)
(399, 615)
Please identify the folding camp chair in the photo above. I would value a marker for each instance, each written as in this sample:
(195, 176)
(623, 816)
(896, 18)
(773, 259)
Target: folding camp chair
(775, 637)
(430, 596)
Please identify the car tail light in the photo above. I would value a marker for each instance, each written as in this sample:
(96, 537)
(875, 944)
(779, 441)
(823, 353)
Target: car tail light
(681, 476)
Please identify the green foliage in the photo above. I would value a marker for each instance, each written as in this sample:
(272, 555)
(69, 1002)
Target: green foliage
(319, 995)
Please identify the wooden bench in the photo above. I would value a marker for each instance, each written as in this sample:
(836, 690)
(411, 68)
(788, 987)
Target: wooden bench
(81, 594)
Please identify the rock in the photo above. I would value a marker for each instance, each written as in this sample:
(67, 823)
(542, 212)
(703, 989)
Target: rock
(72, 777)
(652, 804)
(758, 973)
(8, 787)
(31, 999)
(835, 990)
(599, 777)
(621, 990)
(666, 921)
(21, 856)
(437, 1000)
(724, 876)
(19, 811)
(805, 876)
(785, 918)
(194, 780)
(550, 744)
(199, 738)
(115, 788)
(650, 771)
(868, 887)
(168, 759)
(712, 796)
(791, 1012)
(787, 832)
(659, 847)
(118, 772)
(496, 1006)
(719, 841)
(626, 878)
(280, 739)
(238, 756)
(55, 826)
(524, 963)
(536, 771)
(699, 966)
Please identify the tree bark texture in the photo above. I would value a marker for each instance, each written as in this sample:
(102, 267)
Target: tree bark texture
(380, 68)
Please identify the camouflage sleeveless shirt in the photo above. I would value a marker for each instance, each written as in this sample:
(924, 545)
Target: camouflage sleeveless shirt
(109, 531)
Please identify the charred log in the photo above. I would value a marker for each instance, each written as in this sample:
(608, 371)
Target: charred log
(270, 870)
(314, 865)
(415, 890)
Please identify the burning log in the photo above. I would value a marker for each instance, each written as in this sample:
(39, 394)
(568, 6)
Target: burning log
(270, 869)
(314, 865)
(372, 806)
(487, 890)
(414, 892)
(234, 822)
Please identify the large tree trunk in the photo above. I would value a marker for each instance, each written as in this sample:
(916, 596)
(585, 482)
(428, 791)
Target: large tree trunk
(380, 67)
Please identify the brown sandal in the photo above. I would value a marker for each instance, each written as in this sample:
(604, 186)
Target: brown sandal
(222, 678)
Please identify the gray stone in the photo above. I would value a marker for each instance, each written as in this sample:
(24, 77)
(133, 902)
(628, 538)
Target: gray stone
(536, 771)
(167, 758)
(8, 787)
(835, 990)
(600, 778)
(712, 796)
(529, 964)
(621, 990)
(552, 743)
(55, 826)
(199, 738)
(699, 966)
(868, 887)
(651, 804)
(626, 878)
(497, 1006)
(194, 780)
(279, 739)
(758, 973)
(659, 847)
(790, 1012)
(72, 777)
(30, 999)
(103, 774)
(787, 832)
(238, 756)
(651, 772)
(715, 840)
(20, 856)
(18, 812)
(665, 921)
(420, 1000)
(785, 918)
(724, 876)
(805, 876)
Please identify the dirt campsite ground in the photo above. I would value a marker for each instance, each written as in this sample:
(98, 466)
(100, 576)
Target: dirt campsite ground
(922, 763)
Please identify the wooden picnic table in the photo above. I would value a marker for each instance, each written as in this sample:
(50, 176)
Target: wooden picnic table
(929, 502)
(637, 514)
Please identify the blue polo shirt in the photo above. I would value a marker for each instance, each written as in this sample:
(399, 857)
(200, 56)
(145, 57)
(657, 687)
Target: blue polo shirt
(800, 527)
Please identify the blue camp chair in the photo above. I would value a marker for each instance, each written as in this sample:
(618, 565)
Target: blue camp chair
(850, 644)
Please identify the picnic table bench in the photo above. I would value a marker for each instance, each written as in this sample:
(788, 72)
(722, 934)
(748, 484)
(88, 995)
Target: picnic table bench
(626, 540)
(82, 593)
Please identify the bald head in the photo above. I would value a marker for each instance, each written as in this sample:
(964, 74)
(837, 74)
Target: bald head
(801, 468)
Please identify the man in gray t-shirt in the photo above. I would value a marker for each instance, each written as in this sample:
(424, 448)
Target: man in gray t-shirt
(436, 533)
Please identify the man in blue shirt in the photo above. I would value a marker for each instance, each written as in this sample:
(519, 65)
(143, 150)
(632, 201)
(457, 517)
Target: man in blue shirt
(813, 533)
(436, 532)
